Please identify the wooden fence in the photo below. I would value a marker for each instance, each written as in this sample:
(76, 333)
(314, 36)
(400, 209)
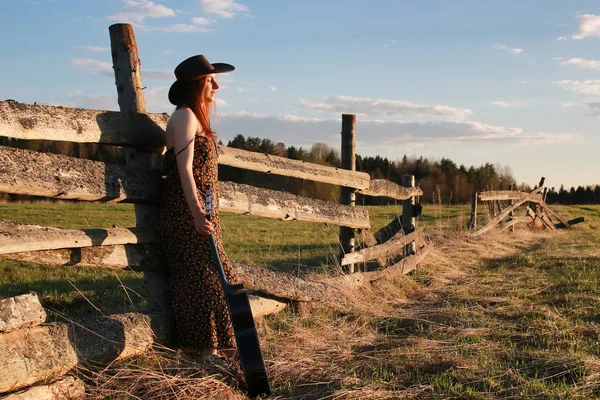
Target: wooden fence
(31, 351)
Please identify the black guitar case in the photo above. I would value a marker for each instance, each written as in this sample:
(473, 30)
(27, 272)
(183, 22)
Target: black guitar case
(246, 337)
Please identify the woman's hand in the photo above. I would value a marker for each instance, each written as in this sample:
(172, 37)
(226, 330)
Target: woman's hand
(203, 226)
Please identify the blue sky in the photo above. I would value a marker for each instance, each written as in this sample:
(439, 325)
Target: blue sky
(501, 81)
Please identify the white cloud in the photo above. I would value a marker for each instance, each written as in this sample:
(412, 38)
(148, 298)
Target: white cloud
(588, 87)
(506, 104)
(272, 89)
(562, 38)
(589, 26)
(202, 21)
(384, 108)
(567, 105)
(582, 63)
(93, 102)
(94, 66)
(223, 8)
(181, 28)
(509, 49)
(158, 74)
(382, 138)
(93, 49)
(138, 10)
(223, 103)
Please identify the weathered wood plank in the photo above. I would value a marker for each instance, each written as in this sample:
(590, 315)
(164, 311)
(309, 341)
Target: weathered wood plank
(555, 215)
(68, 388)
(37, 122)
(391, 248)
(58, 176)
(506, 195)
(21, 311)
(571, 222)
(31, 355)
(271, 164)
(494, 221)
(401, 268)
(385, 188)
(74, 238)
(243, 199)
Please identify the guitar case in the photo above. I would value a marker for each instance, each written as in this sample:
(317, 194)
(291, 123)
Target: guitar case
(246, 337)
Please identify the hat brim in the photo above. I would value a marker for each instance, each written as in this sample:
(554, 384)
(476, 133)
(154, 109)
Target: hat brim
(176, 91)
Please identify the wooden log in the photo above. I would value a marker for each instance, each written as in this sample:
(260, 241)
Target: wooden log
(140, 257)
(494, 221)
(271, 164)
(244, 199)
(571, 222)
(408, 218)
(58, 176)
(62, 177)
(37, 122)
(473, 223)
(555, 215)
(391, 248)
(511, 215)
(21, 311)
(385, 188)
(74, 238)
(356, 280)
(31, 355)
(128, 79)
(348, 195)
(261, 306)
(68, 388)
(506, 195)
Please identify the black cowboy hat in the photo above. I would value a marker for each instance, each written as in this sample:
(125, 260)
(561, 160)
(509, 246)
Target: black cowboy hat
(191, 70)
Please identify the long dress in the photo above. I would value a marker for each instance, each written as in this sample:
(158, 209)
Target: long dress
(199, 305)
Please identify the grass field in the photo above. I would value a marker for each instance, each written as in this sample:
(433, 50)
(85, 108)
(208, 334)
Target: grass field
(504, 316)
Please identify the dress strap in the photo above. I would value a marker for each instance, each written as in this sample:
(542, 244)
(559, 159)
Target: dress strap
(186, 146)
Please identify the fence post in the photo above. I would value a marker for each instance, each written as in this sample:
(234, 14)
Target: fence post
(511, 215)
(347, 195)
(128, 79)
(408, 219)
(473, 224)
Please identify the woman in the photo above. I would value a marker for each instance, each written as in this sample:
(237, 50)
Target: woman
(202, 321)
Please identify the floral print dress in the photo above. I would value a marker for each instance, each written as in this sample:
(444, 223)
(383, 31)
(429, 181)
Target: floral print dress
(199, 305)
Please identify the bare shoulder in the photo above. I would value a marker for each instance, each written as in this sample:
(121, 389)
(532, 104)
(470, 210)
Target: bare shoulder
(182, 117)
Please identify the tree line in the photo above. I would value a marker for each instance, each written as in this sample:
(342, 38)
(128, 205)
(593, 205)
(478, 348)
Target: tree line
(442, 181)
(581, 195)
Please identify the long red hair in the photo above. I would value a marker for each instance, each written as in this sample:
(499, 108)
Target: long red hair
(199, 107)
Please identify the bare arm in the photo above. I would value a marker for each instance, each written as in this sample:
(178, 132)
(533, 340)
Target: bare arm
(182, 129)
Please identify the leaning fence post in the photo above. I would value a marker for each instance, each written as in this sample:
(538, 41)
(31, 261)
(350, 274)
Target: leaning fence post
(128, 79)
(347, 195)
(473, 224)
(511, 215)
(408, 219)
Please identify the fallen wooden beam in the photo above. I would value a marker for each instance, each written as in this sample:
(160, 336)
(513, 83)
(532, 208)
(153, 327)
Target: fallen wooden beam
(38, 122)
(401, 268)
(20, 312)
(555, 215)
(570, 222)
(494, 221)
(385, 188)
(506, 195)
(391, 248)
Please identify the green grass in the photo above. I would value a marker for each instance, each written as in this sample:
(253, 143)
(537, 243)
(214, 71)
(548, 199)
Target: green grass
(520, 322)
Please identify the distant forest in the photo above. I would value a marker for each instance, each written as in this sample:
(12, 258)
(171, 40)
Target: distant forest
(442, 181)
